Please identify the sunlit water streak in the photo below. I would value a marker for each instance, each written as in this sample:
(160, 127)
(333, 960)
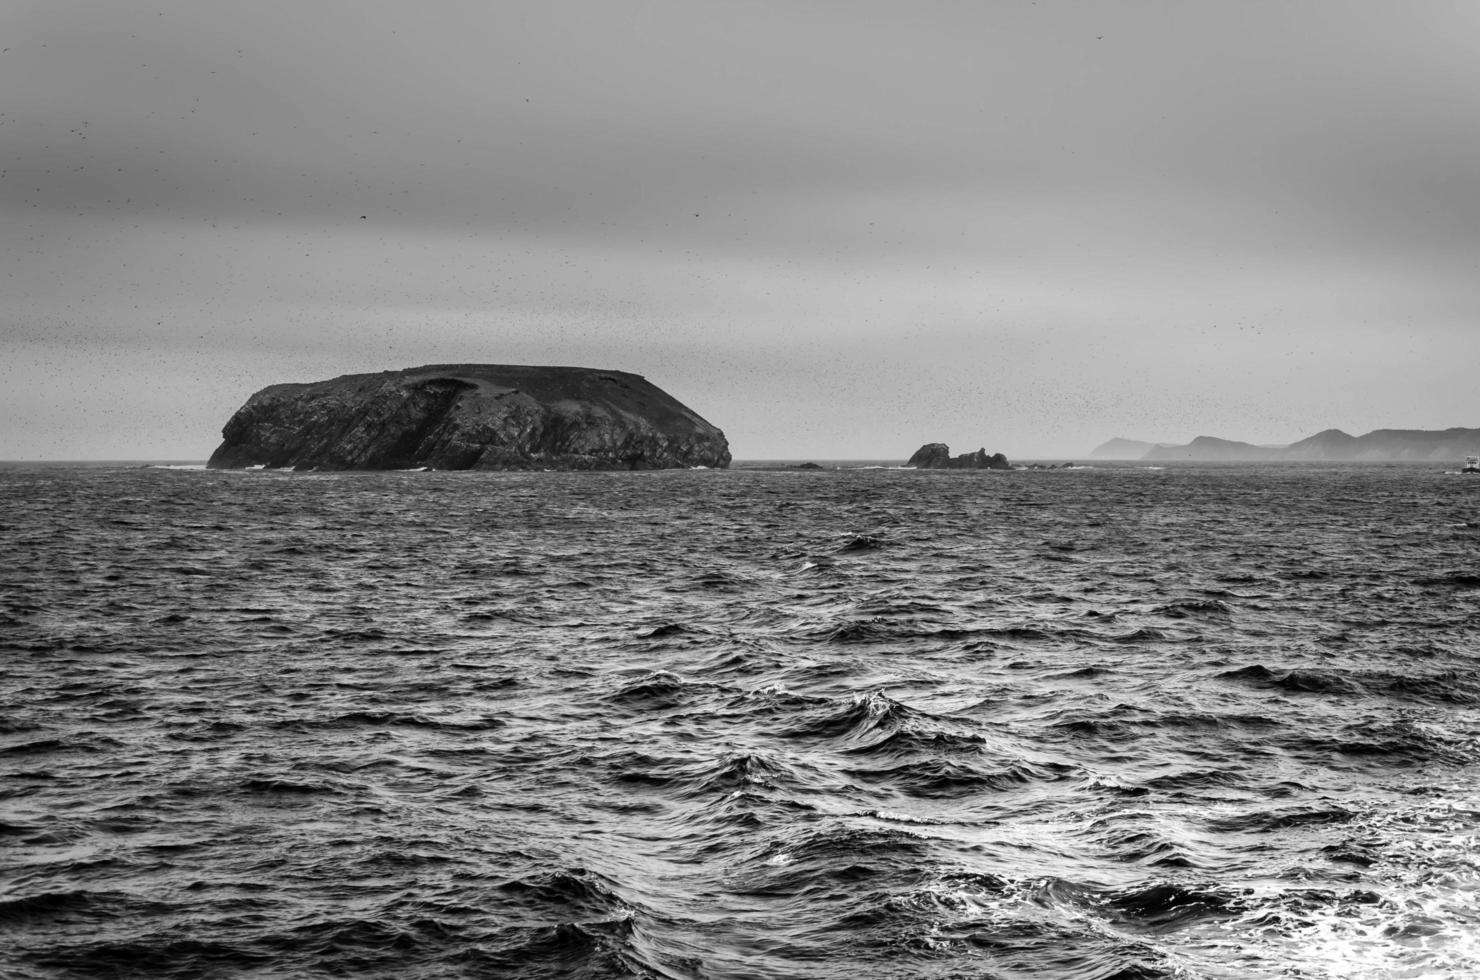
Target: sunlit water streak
(1097, 723)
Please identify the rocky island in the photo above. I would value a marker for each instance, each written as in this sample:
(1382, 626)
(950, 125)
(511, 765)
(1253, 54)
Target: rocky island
(471, 417)
(937, 456)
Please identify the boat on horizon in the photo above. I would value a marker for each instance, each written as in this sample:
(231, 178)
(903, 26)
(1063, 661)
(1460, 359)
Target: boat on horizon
(1472, 464)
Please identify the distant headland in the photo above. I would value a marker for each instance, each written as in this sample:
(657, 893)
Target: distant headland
(471, 416)
(1332, 445)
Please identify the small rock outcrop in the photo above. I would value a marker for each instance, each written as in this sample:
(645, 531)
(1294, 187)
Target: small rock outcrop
(471, 416)
(937, 456)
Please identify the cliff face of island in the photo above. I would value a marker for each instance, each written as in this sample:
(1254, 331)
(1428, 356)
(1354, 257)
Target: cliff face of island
(1332, 445)
(937, 456)
(471, 416)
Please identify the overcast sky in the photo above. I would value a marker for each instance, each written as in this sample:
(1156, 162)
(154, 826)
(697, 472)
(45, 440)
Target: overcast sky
(834, 229)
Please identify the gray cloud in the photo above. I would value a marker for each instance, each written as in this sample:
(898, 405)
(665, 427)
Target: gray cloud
(1169, 216)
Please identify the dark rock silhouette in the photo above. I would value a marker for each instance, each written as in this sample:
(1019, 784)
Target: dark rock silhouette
(937, 456)
(471, 416)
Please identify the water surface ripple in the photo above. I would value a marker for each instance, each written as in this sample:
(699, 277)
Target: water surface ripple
(1096, 723)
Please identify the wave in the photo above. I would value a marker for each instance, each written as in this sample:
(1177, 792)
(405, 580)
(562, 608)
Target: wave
(558, 724)
(1452, 580)
(656, 691)
(568, 894)
(743, 772)
(1265, 821)
(398, 719)
(869, 717)
(1164, 906)
(75, 907)
(291, 787)
(954, 778)
(1404, 739)
(90, 743)
(161, 957)
(597, 949)
(670, 629)
(1195, 609)
(816, 862)
(1441, 687)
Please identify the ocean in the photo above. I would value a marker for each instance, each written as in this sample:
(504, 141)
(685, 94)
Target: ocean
(1106, 722)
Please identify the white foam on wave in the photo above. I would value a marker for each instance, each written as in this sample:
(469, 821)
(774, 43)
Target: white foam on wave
(1414, 914)
(895, 816)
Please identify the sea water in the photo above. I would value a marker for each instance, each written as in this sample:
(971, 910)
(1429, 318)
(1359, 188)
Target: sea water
(1123, 722)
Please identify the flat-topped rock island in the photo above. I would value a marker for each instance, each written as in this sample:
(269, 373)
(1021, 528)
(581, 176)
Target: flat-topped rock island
(471, 417)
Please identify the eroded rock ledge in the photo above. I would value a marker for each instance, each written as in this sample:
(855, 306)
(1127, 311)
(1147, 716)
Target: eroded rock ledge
(471, 416)
(937, 456)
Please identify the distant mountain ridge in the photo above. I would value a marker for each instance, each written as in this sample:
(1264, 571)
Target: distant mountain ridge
(1213, 449)
(1122, 449)
(1333, 445)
